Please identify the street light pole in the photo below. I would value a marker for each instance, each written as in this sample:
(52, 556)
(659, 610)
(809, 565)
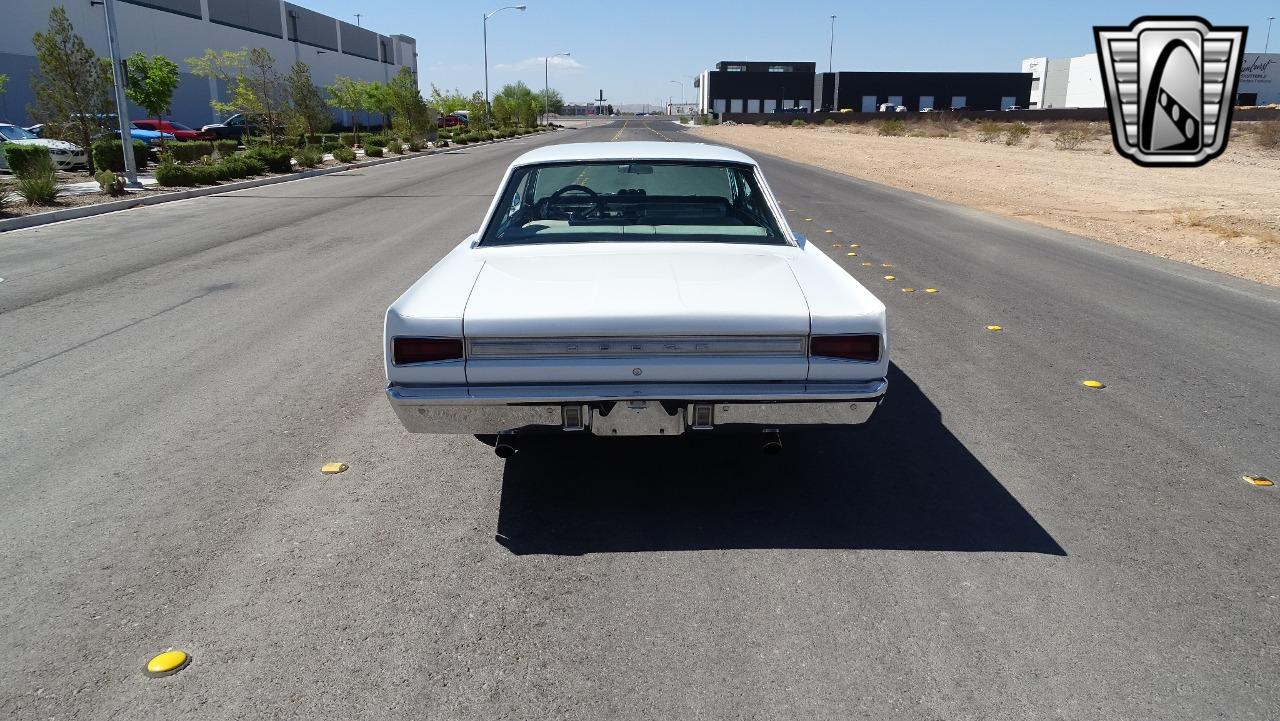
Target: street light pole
(832, 46)
(1267, 47)
(486, 53)
(122, 102)
(546, 85)
(681, 84)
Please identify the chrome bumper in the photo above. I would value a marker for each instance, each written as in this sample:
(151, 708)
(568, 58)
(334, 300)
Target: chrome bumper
(633, 410)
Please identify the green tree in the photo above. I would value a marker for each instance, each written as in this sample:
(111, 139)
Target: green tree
(554, 101)
(379, 99)
(150, 83)
(255, 87)
(72, 86)
(351, 95)
(516, 104)
(410, 113)
(310, 113)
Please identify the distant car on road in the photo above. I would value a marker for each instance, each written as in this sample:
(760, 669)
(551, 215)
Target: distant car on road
(65, 156)
(178, 130)
(634, 289)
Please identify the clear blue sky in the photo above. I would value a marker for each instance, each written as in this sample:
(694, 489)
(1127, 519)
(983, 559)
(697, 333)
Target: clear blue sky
(632, 49)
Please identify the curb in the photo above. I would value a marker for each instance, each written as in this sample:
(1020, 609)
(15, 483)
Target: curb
(87, 211)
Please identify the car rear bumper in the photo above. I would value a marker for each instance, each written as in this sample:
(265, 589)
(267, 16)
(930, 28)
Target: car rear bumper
(635, 409)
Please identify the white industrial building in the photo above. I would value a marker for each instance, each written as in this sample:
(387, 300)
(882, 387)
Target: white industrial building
(1065, 83)
(179, 29)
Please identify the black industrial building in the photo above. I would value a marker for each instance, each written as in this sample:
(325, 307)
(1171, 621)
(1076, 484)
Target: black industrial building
(769, 87)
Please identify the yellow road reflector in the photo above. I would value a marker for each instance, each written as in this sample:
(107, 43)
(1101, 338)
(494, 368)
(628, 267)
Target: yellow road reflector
(994, 328)
(169, 662)
(868, 264)
(837, 245)
(931, 290)
(1092, 384)
(333, 468)
(852, 254)
(791, 210)
(1258, 480)
(908, 290)
(891, 277)
(809, 219)
(855, 245)
(886, 265)
(828, 230)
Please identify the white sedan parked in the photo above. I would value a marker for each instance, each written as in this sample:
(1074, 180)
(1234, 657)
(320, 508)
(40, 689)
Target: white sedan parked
(634, 288)
(66, 156)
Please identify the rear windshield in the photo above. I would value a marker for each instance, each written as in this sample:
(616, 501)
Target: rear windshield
(633, 201)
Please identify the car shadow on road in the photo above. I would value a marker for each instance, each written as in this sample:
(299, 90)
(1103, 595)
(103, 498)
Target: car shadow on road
(902, 481)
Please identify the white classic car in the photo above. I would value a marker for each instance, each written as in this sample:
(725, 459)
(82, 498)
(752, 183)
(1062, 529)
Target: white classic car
(634, 288)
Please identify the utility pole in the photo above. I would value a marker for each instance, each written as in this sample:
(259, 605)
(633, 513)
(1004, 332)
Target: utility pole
(832, 46)
(1267, 47)
(357, 19)
(122, 102)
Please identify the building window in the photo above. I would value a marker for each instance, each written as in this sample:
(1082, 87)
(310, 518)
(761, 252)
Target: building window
(780, 68)
(736, 68)
(735, 106)
(1035, 84)
(718, 106)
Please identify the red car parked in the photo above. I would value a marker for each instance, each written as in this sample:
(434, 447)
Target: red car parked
(179, 131)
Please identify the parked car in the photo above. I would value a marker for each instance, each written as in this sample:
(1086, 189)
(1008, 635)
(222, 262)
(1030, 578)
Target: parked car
(236, 127)
(36, 130)
(1012, 108)
(178, 130)
(65, 156)
(153, 138)
(634, 288)
(451, 121)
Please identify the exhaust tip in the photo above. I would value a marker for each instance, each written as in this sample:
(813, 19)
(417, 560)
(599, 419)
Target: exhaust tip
(504, 450)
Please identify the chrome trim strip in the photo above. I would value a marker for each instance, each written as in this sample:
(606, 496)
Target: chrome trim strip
(630, 347)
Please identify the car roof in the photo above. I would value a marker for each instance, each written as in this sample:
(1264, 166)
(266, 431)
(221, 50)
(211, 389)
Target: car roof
(633, 150)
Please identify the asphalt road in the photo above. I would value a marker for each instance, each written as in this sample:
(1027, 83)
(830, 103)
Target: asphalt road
(999, 543)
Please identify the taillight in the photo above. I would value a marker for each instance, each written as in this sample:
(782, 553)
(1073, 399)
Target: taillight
(849, 347)
(424, 350)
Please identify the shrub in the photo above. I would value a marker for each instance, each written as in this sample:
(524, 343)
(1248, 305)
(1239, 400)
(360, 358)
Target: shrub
(253, 165)
(798, 123)
(1070, 138)
(202, 174)
(442, 143)
(829, 122)
(189, 151)
(1268, 134)
(1016, 133)
(396, 146)
(327, 138)
(309, 157)
(990, 131)
(775, 123)
(344, 155)
(348, 139)
(171, 175)
(109, 182)
(414, 146)
(6, 197)
(329, 147)
(892, 126)
(25, 159)
(38, 182)
(255, 141)
(277, 160)
(226, 147)
(373, 151)
(109, 155)
(376, 141)
(462, 139)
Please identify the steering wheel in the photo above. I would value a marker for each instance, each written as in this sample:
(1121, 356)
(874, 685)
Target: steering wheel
(594, 204)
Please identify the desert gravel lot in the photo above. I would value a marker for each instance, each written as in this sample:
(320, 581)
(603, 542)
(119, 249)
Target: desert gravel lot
(1224, 215)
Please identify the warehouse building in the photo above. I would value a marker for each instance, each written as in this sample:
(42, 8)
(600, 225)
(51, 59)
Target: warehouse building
(179, 29)
(1065, 83)
(770, 87)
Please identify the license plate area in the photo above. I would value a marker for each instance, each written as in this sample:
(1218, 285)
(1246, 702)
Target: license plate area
(637, 418)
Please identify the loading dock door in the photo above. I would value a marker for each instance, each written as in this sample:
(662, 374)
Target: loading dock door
(926, 102)
(1007, 102)
(771, 106)
(868, 103)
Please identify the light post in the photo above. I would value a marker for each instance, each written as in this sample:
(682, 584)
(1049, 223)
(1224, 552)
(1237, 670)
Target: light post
(486, 53)
(1267, 47)
(546, 85)
(832, 46)
(681, 84)
(122, 103)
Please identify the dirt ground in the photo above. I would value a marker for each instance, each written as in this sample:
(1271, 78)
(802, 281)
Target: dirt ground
(1224, 215)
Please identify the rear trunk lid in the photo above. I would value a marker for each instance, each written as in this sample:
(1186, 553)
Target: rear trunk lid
(608, 317)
